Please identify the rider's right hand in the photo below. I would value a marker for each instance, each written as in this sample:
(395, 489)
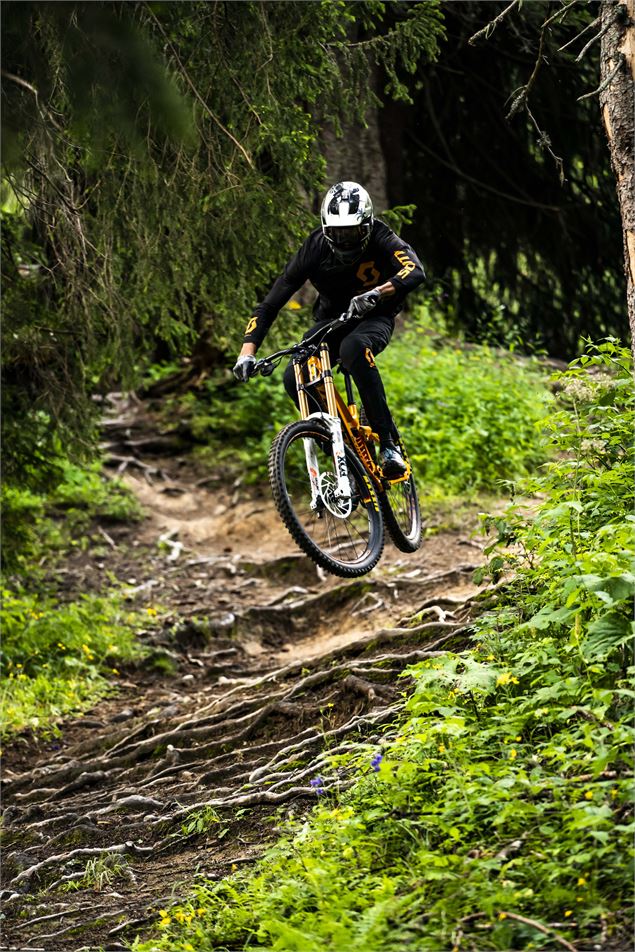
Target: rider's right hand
(245, 368)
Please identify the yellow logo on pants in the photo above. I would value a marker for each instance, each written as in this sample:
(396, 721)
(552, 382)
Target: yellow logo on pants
(369, 357)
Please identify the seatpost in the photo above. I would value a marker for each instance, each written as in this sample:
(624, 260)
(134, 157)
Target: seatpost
(327, 374)
(350, 399)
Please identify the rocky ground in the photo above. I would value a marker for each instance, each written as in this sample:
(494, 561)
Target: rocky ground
(262, 665)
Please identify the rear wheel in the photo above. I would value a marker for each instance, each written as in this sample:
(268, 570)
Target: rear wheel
(344, 536)
(402, 514)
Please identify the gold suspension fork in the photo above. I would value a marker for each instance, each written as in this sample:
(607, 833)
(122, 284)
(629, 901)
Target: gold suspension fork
(327, 375)
(302, 397)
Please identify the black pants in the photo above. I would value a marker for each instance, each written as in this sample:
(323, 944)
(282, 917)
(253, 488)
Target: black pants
(356, 348)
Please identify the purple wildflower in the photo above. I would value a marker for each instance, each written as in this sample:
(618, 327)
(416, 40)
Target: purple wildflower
(318, 785)
(375, 762)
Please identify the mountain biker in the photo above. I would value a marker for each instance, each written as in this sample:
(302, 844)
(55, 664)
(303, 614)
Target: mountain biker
(357, 259)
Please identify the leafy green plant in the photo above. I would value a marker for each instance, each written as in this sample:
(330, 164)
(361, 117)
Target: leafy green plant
(86, 491)
(200, 821)
(496, 814)
(60, 658)
(470, 415)
(37, 525)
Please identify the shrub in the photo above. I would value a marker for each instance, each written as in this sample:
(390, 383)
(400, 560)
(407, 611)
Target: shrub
(470, 416)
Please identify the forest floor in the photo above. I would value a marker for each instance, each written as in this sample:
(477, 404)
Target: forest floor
(260, 667)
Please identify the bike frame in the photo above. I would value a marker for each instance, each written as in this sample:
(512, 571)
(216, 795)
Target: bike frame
(339, 417)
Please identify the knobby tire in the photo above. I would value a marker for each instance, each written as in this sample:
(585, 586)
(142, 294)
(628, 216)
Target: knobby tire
(277, 456)
(404, 528)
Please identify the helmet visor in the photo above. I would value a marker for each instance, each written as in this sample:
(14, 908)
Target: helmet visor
(346, 237)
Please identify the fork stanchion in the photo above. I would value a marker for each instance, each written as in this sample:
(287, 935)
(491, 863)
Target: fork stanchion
(299, 383)
(327, 373)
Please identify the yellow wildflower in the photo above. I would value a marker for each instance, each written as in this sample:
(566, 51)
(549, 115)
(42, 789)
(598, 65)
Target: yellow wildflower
(114, 671)
(614, 792)
(581, 881)
(441, 748)
(151, 611)
(201, 912)
(567, 913)
(512, 754)
(179, 915)
(504, 678)
(588, 795)
(502, 915)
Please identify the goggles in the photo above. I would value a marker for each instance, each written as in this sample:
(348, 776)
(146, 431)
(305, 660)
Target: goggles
(349, 236)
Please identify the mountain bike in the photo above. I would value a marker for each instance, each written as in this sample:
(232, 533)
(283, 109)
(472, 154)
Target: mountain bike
(327, 485)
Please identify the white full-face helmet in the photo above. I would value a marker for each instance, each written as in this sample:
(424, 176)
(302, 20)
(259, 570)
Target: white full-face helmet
(347, 220)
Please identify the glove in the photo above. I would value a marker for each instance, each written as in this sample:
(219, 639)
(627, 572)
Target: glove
(244, 368)
(365, 302)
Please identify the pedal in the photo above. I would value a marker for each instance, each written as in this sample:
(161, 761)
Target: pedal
(398, 479)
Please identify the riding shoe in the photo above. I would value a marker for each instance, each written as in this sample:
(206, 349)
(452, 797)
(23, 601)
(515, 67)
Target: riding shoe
(392, 463)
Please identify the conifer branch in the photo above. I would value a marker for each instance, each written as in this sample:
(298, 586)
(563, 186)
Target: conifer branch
(193, 87)
(489, 28)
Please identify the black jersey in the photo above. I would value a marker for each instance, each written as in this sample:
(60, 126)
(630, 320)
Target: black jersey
(386, 257)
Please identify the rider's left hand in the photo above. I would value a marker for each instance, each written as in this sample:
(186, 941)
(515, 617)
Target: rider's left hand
(365, 302)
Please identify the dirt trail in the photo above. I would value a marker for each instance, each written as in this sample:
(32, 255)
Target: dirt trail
(188, 771)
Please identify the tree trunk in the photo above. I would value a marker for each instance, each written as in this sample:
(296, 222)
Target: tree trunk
(617, 101)
(357, 155)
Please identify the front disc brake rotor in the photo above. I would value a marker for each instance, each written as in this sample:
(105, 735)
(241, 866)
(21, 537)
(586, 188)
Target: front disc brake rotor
(340, 506)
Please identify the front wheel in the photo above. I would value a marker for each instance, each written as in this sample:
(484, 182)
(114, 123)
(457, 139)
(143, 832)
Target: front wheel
(345, 537)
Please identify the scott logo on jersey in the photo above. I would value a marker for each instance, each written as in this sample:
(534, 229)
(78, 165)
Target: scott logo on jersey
(368, 274)
(407, 262)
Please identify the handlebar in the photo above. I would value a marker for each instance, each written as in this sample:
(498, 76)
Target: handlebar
(266, 365)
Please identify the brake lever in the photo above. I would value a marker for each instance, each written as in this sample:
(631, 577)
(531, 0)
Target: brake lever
(266, 368)
(346, 316)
